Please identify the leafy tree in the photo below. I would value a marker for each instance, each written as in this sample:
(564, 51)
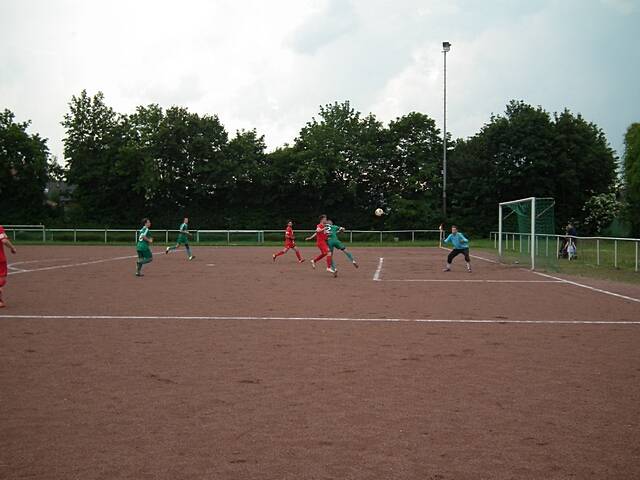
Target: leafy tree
(599, 211)
(411, 172)
(585, 165)
(632, 175)
(334, 153)
(102, 166)
(527, 153)
(24, 172)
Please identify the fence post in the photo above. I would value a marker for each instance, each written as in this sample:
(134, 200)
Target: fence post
(105, 235)
(228, 237)
(197, 236)
(75, 235)
(547, 246)
(44, 235)
(380, 236)
(166, 236)
(636, 256)
(351, 236)
(597, 251)
(413, 236)
(557, 248)
(615, 254)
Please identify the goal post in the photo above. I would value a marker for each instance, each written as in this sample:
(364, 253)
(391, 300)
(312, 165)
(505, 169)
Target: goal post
(522, 225)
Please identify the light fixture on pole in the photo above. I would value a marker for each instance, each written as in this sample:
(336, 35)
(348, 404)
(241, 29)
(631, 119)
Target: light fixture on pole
(446, 46)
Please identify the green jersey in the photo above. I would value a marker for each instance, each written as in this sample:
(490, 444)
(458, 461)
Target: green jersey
(333, 232)
(182, 236)
(142, 243)
(334, 241)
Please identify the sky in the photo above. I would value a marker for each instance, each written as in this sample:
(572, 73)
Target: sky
(269, 65)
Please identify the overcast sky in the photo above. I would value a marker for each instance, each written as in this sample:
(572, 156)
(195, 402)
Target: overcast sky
(269, 64)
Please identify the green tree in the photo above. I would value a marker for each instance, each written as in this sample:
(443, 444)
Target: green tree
(24, 172)
(103, 166)
(632, 175)
(527, 153)
(411, 176)
(599, 211)
(334, 154)
(585, 165)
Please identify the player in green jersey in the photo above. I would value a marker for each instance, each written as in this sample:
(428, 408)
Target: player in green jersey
(334, 242)
(183, 239)
(143, 246)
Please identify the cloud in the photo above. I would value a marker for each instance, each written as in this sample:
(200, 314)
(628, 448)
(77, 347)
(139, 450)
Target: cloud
(626, 7)
(336, 19)
(268, 65)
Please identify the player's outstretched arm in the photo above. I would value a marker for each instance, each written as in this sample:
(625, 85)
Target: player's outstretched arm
(312, 236)
(8, 243)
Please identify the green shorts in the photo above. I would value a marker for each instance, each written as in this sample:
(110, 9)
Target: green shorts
(336, 244)
(182, 240)
(144, 253)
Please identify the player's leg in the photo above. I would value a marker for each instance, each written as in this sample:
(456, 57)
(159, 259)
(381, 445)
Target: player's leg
(190, 256)
(171, 249)
(467, 259)
(348, 254)
(452, 254)
(3, 282)
(323, 254)
(281, 252)
(144, 256)
(300, 259)
(333, 261)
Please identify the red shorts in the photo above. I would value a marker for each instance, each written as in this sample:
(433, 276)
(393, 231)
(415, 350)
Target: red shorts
(324, 248)
(3, 269)
(289, 244)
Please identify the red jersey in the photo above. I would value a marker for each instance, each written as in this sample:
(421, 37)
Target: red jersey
(3, 258)
(321, 233)
(288, 234)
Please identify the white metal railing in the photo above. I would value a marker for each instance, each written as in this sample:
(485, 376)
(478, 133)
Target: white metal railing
(39, 233)
(620, 251)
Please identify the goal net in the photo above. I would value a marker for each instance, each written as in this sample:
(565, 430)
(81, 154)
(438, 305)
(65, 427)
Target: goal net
(526, 229)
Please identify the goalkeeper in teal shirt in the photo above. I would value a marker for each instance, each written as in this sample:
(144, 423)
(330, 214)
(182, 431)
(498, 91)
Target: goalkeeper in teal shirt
(460, 246)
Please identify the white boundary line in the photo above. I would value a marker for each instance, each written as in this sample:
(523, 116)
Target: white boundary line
(70, 265)
(330, 319)
(570, 282)
(453, 280)
(581, 285)
(11, 267)
(376, 275)
(41, 261)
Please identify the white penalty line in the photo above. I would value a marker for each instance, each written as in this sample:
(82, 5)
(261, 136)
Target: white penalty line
(453, 280)
(326, 319)
(70, 265)
(376, 275)
(588, 287)
(571, 282)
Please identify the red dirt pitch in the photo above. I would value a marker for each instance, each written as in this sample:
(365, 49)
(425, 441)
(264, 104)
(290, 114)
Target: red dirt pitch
(232, 367)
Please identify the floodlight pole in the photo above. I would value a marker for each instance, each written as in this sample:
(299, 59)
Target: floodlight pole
(446, 46)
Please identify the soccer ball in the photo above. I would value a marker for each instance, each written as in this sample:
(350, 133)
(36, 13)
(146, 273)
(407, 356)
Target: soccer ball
(379, 212)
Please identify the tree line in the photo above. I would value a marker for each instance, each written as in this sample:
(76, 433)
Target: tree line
(167, 163)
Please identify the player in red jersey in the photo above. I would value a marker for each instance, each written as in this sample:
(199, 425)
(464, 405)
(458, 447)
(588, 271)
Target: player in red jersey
(321, 235)
(289, 243)
(4, 240)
